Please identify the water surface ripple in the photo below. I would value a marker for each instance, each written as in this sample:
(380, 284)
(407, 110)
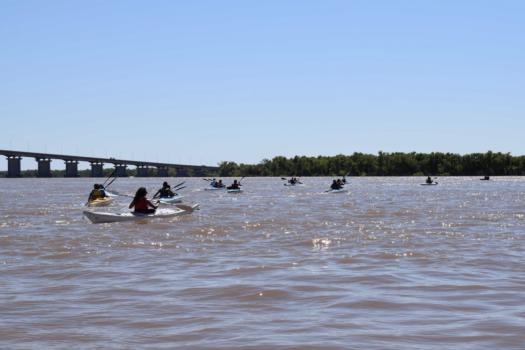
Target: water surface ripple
(391, 265)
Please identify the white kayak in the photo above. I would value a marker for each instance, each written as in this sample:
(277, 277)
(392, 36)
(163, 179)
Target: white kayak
(292, 185)
(432, 184)
(340, 190)
(234, 190)
(174, 199)
(103, 217)
(211, 188)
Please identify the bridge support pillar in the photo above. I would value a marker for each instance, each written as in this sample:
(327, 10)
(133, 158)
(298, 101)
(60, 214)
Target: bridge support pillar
(162, 171)
(97, 169)
(13, 166)
(44, 167)
(71, 168)
(142, 171)
(181, 171)
(120, 170)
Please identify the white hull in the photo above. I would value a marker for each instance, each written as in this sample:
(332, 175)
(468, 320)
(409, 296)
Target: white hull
(101, 217)
(214, 188)
(341, 190)
(169, 200)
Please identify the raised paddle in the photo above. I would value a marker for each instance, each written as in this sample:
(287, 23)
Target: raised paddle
(104, 187)
(178, 187)
(109, 177)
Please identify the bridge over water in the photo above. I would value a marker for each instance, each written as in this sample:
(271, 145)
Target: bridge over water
(97, 165)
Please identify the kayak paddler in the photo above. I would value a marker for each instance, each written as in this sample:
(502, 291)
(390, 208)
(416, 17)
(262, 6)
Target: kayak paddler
(234, 186)
(97, 193)
(141, 203)
(429, 180)
(336, 185)
(165, 191)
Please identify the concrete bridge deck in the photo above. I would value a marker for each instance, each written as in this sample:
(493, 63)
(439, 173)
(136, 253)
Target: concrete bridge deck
(97, 164)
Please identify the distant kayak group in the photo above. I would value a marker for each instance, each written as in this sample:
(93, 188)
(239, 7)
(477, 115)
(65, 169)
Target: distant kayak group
(235, 187)
(336, 186)
(144, 208)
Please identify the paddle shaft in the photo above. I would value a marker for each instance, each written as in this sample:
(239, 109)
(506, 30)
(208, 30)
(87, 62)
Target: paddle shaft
(110, 176)
(177, 185)
(106, 186)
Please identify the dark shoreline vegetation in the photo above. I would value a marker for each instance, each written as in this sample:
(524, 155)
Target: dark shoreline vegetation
(357, 164)
(383, 164)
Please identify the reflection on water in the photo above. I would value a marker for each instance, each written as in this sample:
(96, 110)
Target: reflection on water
(390, 265)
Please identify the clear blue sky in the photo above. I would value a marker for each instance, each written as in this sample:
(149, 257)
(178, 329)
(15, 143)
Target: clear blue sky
(203, 81)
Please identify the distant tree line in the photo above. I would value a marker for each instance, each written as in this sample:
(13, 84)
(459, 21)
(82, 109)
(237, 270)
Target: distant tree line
(383, 164)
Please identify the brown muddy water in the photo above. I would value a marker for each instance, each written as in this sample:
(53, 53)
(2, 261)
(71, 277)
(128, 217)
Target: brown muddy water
(390, 265)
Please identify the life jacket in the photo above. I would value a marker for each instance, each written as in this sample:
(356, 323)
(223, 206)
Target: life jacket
(166, 192)
(95, 194)
(141, 204)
